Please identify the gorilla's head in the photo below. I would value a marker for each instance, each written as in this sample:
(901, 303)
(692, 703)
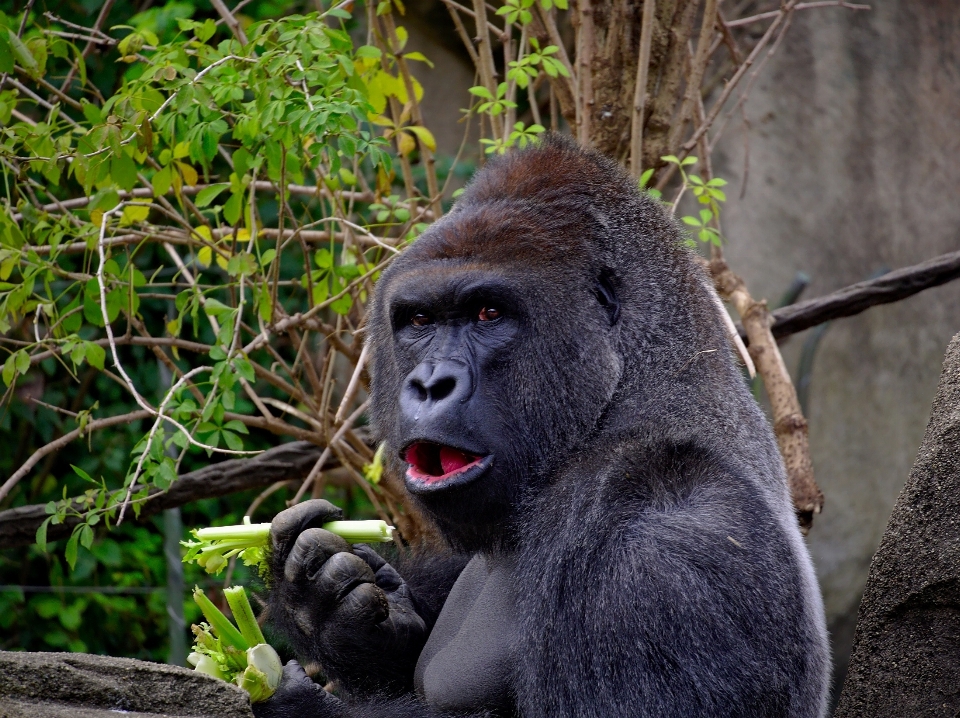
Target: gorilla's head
(519, 326)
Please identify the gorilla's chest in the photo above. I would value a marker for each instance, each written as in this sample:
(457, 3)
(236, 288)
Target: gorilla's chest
(468, 659)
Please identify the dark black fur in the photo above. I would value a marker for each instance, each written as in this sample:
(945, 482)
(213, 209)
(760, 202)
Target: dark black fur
(636, 553)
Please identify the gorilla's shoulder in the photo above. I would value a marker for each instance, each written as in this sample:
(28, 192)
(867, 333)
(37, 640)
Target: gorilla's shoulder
(637, 486)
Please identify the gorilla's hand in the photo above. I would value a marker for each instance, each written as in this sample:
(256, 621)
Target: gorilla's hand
(344, 607)
(298, 696)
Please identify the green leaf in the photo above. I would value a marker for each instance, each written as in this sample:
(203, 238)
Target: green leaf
(123, 170)
(233, 208)
(22, 54)
(216, 308)
(162, 181)
(343, 304)
(91, 112)
(244, 369)
(23, 361)
(135, 212)
(83, 474)
(6, 55)
(42, 534)
(9, 369)
(481, 91)
(368, 51)
(105, 199)
(241, 162)
(95, 355)
(71, 552)
(419, 56)
(208, 194)
(166, 474)
(232, 440)
(205, 31)
(86, 536)
(267, 257)
(237, 425)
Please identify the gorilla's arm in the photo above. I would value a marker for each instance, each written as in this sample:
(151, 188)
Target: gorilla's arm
(346, 608)
(688, 601)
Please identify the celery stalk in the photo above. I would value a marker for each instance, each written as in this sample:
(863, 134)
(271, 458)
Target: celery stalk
(361, 531)
(215, 545)
(224, 629)
(243, 615)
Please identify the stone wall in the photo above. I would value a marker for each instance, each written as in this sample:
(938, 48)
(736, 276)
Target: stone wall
(853, 148)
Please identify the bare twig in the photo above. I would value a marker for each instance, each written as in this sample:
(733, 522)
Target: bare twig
(782, 15)
(354, 384)
(63, 441)
(640, 90)
(740, 22)
(586, 41)
(224, 12)
(487, 68)
(695, 76)
(344, 428)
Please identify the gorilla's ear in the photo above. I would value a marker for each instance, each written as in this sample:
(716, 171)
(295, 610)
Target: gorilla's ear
(607, 295)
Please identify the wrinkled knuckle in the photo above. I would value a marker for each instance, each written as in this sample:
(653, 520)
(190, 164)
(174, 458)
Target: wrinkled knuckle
(374, 559)
(343, 572)
(307, 555)
(366, 603)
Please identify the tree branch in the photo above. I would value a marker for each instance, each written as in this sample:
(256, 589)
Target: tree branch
(63, 441)
(846, 302)
(789, 425)
(291, 461)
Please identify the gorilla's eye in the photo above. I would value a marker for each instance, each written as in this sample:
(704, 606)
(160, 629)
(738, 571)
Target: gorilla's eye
(488, 314)
(420, 319)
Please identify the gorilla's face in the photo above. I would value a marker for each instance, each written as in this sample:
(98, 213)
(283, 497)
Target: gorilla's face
(453, 339)
(494, 372)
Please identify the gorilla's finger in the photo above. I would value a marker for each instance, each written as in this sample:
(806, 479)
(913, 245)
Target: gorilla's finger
(293, 673)
(388, 579)
(373, 559)
(312, 549)
(340, 574)
(298, 696)
(366, 604)
(288, 524)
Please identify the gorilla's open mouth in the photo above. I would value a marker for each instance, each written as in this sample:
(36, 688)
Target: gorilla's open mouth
(432, 463)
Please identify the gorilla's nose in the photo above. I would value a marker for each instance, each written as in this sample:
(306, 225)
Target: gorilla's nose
(434, 390)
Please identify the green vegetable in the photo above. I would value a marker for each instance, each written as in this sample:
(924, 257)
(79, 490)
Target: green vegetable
(243, 614)
(214, 546)
(225, 630)
(262, 675)
(239, 656)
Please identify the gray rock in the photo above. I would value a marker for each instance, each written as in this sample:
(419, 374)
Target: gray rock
(79, 685)
(906, 653)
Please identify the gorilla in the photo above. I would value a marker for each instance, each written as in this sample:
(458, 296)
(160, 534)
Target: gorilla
(552, 379)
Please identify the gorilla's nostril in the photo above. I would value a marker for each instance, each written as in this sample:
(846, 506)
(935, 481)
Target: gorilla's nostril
(442, 388)
(419, 389)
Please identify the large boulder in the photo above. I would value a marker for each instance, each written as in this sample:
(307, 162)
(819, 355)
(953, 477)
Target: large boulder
(906, 652)
(78, 685)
